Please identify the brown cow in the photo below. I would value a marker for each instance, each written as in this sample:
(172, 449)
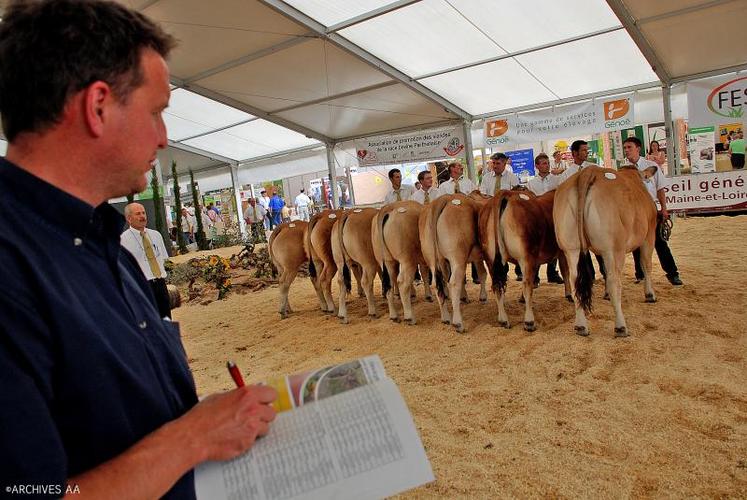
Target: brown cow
(322, 267)
(448, 238)
(518, 227)
(396, 243)
(351, 246)
(609, 213)
(288, 252)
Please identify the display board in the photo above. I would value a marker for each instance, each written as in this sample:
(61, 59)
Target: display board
(411, 147)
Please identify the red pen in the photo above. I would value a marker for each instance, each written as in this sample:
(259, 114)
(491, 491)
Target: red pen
(235, 373)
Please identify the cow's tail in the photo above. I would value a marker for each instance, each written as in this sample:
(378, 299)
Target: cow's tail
(436, 208)
(386, 281)
(312, 267)
(584, 269)
(499, 270)
(345, 267)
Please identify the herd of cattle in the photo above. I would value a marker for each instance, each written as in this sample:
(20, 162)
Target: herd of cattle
(607, 212)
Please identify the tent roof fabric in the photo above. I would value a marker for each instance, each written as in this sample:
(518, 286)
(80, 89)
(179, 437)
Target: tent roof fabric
(254, 78)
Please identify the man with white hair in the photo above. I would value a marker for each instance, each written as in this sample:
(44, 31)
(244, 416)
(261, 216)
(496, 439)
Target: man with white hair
(147, 246)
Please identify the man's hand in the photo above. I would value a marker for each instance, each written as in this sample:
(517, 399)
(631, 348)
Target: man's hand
(227, 424)
(557, 171)
(664, 214)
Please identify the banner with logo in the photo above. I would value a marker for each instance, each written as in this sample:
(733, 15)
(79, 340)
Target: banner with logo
(602, 115)
(415, 146)
(712, 192)
(717, 101)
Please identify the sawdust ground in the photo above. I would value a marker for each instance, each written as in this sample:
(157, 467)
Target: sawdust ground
(506, 413)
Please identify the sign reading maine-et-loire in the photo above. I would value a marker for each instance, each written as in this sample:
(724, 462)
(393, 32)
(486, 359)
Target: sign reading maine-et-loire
(707, 192)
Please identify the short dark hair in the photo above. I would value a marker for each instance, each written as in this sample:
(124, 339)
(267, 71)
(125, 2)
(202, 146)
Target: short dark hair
(422, 175)
(392, 172)
(541, 156)
(52, 49)
(498, 156)
(576, 145)
(635, 140)
(302, 190)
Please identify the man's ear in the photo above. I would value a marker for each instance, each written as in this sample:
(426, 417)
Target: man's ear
(97, 99)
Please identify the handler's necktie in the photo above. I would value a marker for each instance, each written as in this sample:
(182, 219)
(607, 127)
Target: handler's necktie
(150, 255)
(398, 195)
(456, 186)
(426, 197)
(497, 185)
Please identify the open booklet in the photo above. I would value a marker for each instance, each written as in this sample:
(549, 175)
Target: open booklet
(342, 431)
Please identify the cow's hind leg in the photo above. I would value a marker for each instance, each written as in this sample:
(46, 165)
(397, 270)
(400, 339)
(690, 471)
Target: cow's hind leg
(456, 283)
(566, 277)
(357, 272)
(367, 280)
(615, 263)
(441, 293)
(647, 250)
(581, 325)
(405, 281)
(390, 267)
(530, 272)
(342, 311)
(482, 274)
(285, 282)
(325, 283)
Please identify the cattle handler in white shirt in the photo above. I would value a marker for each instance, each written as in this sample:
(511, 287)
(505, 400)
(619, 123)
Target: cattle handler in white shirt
(398, 191)
(427, 192)
(539, 185)
(499, 176)
(655, 186)
(302, 205)
(456, 183)
(146, 245)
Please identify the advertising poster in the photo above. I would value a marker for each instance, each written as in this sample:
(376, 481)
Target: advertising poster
(614, 113)
(717, 100)
(657, 132)
(701, 144)
(412, 147)
(522, 163)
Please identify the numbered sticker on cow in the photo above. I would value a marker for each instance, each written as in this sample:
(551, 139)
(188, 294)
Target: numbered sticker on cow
(402, 210)
(332, 216)
(524, 197)
(358, 210)
(456, 202)
(610, 176)
(291, 225)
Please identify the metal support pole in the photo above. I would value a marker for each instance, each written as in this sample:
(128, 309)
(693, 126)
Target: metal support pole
(332, 174)
(673, 163)
(484, 160)
(467, 125)
(237, 197)
(350, 185)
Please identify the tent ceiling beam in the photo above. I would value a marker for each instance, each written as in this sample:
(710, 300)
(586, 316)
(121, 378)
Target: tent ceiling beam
(220, 129)
(287, 152)
(683, 11)
(149, 3)
(286, 44)
(201, 152)
(321, 100)
(707, 74)
(370, 15)
(569, 100)
(209, 168)
(247, 108)
(345, 44)
(627, 20)
(521, 52)
(422, 126)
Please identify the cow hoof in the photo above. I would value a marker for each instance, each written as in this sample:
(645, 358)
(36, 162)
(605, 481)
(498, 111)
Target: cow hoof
(395, 320)
(569, 298)
(459, 327)
(521, 300)
(373, 316)
(464, 300)
(530, 326)
(621, 331)
(504, 324)
(606, 296)
(429, 299)
(411, 322)
(283, 314)
(582, 331)
(650, 298)
(484, 301)
(343, 320)
(445, 321)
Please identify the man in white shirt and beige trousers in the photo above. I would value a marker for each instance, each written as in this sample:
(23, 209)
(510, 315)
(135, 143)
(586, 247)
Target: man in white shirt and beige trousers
(147, 246)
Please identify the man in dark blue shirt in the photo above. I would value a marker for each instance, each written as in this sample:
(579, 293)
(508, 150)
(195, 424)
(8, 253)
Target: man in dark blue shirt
(276, 206)
(97, 396)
